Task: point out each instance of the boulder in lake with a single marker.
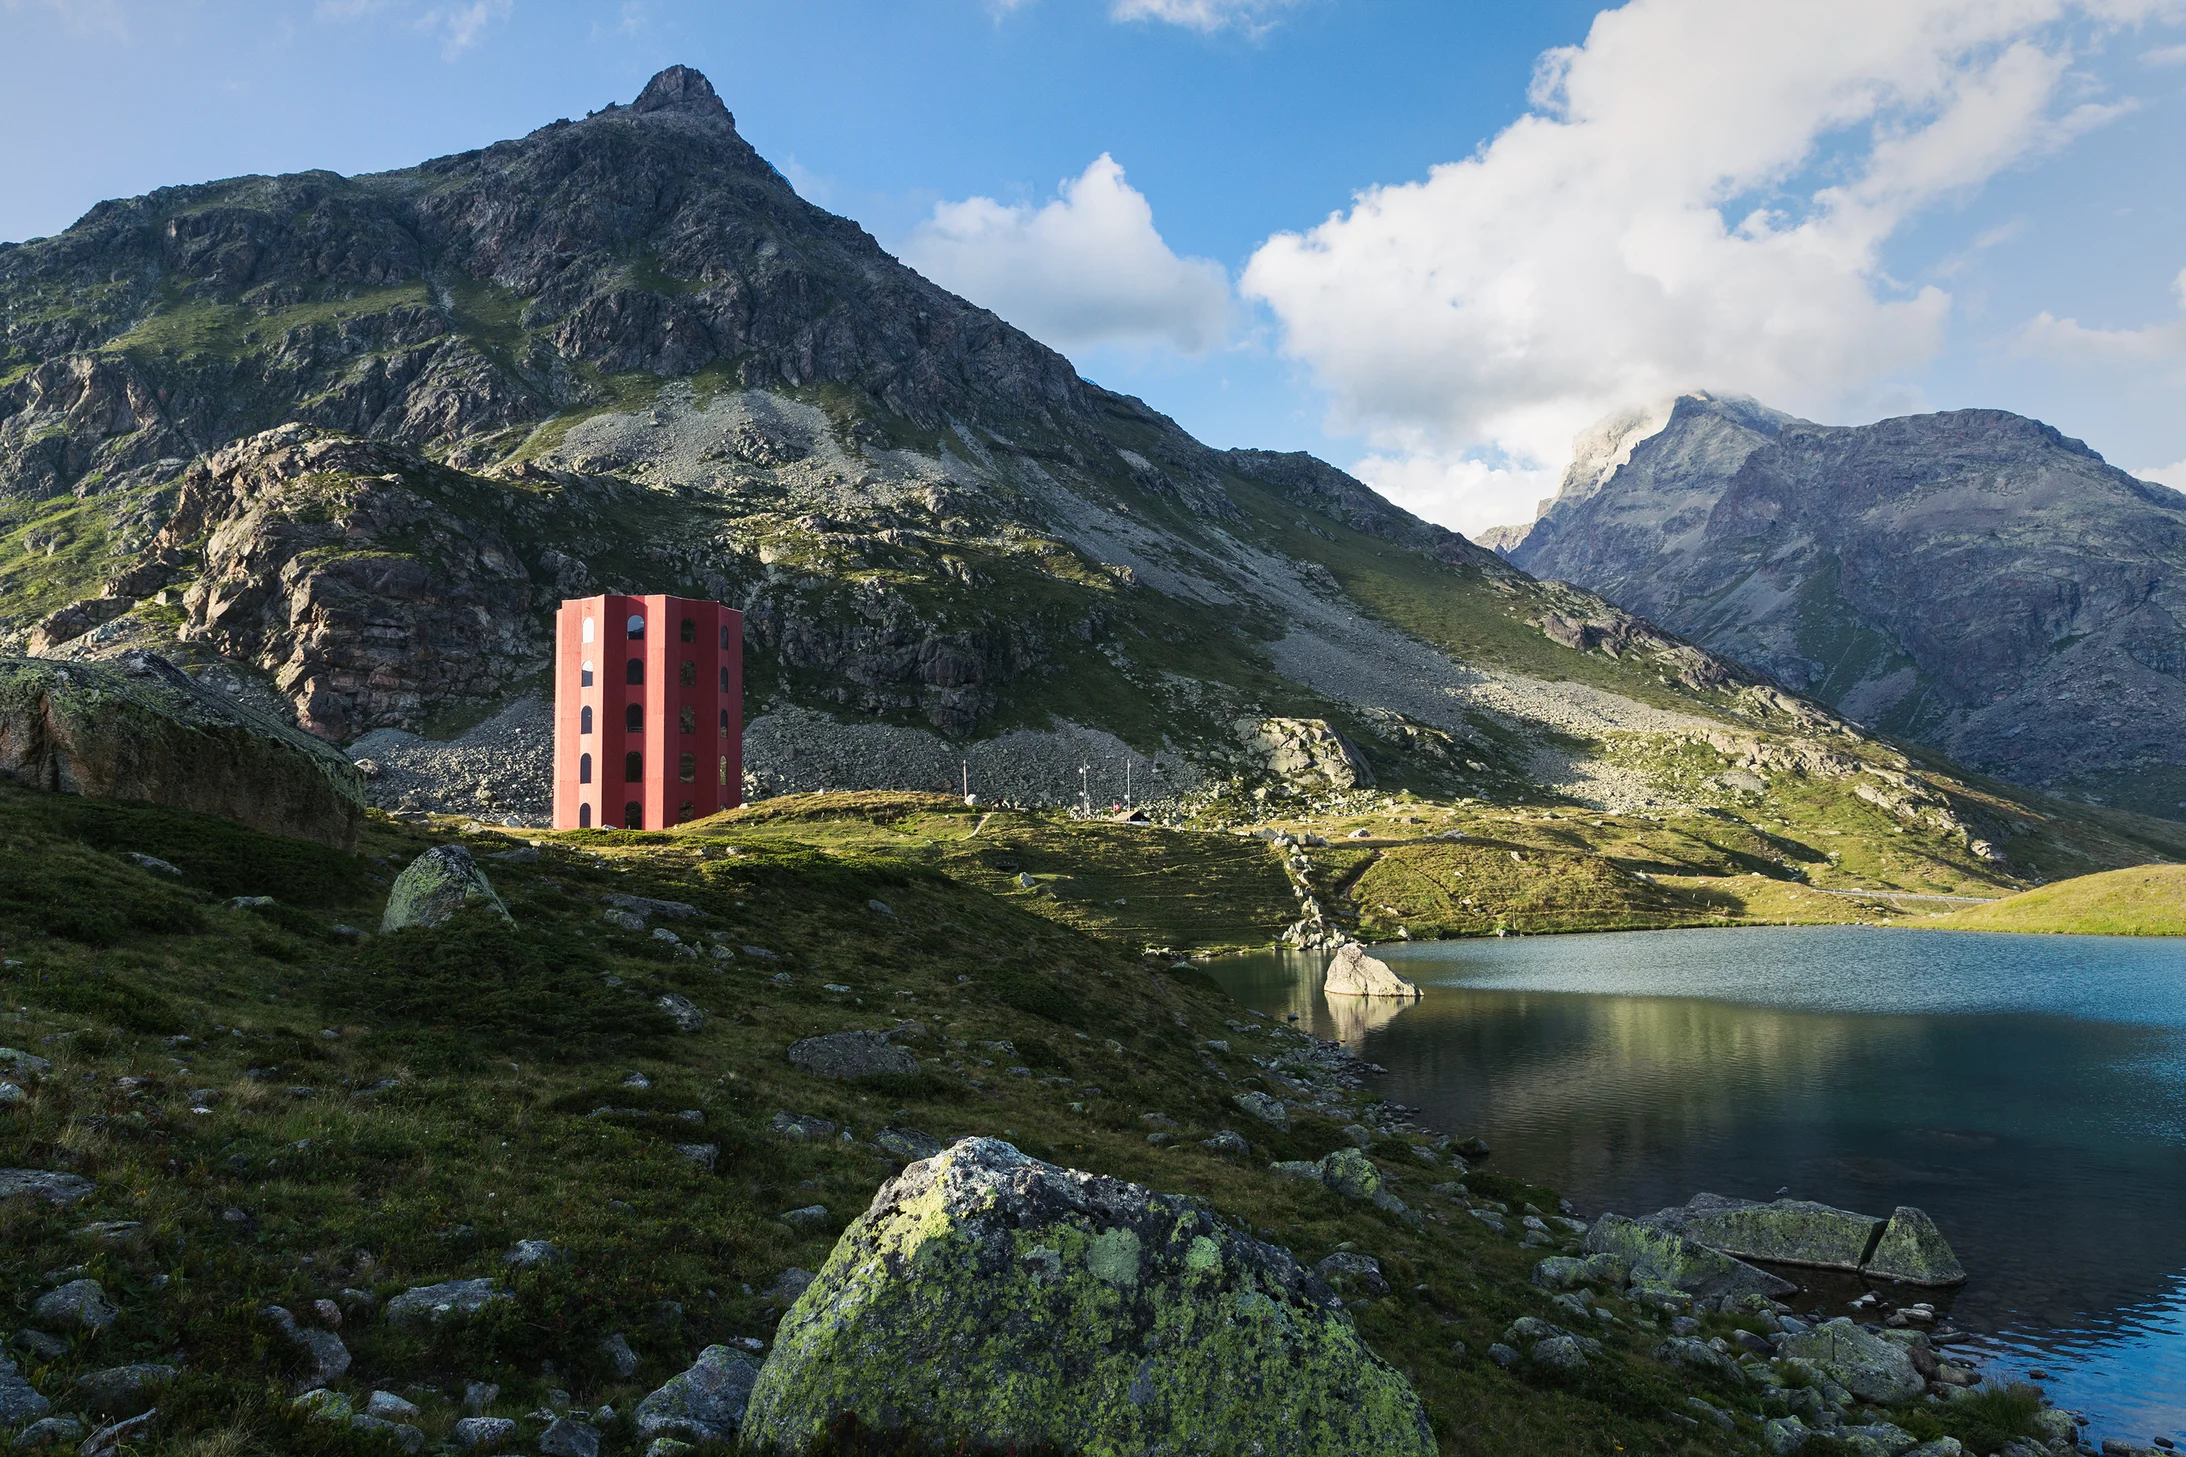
(1785, 1232)
(1912, 1251)
(137, 727)
(1353, 973)
(435, 887)
(849, 1056)
(1860, 1361)
(993, 1299)
(1665, 1257)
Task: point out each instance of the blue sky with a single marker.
(1850, 210)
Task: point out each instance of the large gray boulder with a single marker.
(1860, 1361)
(19, 1400)
(705, 1403)
(1353, 973)
(450, 1299)
(1664, 1257)
(1786, 1232)
(848, 1056)
(1912, 1251)
(991, 1298)
(137, 727)
(438, 885)
(123, 1391)
(54, 1188)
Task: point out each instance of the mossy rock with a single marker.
(1912, 1251)
(435, 887)
(138, 728)
(1787, 1231)
(1665, 1257)
(992, 1299)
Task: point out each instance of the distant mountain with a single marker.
(340, 445)
(1971, 580)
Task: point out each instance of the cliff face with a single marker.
(1971, 580)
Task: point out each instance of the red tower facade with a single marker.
(648, 712)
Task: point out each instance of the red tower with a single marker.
(648, 712)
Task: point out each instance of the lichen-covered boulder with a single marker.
(432, 1304)
(1863, 1363)
(991, 1298)
(19, 1400)
(1788, 1231)
(1664, 1257)
(137, 727)
(1353, 973)
(1913, 1252)
(48, 1184)
(437, 885)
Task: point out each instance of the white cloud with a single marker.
(1204, 15)
(460, 26)
(1698, 198)
(2172, 475)
(1084, 269)
(2164, 56)
(2058, 338)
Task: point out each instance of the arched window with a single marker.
(584, 719)
(584, 679)
(635, 673)
(724, 680)
(588, 629)
(633, 816)
(634, 628)
(724, 635)
(687, 768)
(633, 718)
(690, 630)
(584, 768)
(724, 771)
(724, 726)
(689, 718)
(584, 816)
(633, 768)
(688, 675)
(684, 811)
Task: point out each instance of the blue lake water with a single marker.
(2029, 1092)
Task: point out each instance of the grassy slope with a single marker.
(454, 1111)
(2143, 900)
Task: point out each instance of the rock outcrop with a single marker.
(1906, 1247)
(1865, 1364)
(991, 1298)
(139, 728)
(1353, 973)
(1664, 1257)
(1973, 580)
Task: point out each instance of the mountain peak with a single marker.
(684, 89)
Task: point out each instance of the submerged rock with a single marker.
(1863, 1363)
(435, 886)
(991, 1298)
(1665, 1257)
(1914, 1252)
(1353, 973)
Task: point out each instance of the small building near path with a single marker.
(648, 711)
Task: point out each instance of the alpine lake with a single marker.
(2029, 1092)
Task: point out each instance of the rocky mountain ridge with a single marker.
(1972, 580)
(339, 444)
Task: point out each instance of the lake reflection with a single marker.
(2028, 1092)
